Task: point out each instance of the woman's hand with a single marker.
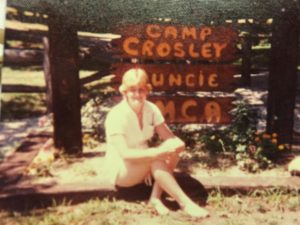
(180, 145)
(175, 144)
(171, 146)
(148, 179)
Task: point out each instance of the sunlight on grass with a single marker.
(257, 201)
(257, 207)
(30, 77)
(96, 211)
(24, 77)
(22, 105)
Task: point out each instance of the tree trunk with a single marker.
(64, 69)
(283, 76)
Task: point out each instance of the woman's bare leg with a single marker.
(132, 173)
(157, 190)
(167, 182)
(155, 200)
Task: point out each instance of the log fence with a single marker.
(28, 48)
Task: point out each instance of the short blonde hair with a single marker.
(135, 77)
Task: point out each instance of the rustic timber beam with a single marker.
(246, 60)
(13, 88)
(25, 57)
(15, 57)
(47, 75)
(94, 77)
(36, 36)
(25, 35)
(283, 75)
(16, 88)
(64, 70)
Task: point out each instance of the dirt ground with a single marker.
(88, 167)
(274, 207)
(271, 208)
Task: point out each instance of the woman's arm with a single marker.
(119, 143)
(165, 133)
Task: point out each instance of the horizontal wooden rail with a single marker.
(13, 88)
(94, 77)
(29, 57)
(19, 88)
(36, 36)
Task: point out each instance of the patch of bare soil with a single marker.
(88, 167)
(52, 167)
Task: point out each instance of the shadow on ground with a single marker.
(193, 188)
(33, 198)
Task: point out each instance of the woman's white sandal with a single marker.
(160, 208)
(195, 211)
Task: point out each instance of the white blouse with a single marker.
(122, 120)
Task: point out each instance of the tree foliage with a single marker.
(105, 15)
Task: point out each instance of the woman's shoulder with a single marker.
(116, 111)
(150, 106)
(155, 113)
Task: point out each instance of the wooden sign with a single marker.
(205, 110)
(169, 42)
(184, 77)
(192, 109)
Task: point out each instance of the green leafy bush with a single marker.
(236, 136)
(253, 150)
(94, 114)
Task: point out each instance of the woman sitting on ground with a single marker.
(129, 125)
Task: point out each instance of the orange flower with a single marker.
(281, 147)
(257, 133)
(274, 135)
(86, 136)
(257, 139)
(274, 141)
(266, 136)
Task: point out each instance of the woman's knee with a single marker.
(158, 167)
(132, 174)
(173, 161)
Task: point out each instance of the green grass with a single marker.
(106, 212)
(257, 201)
(23, 77)
(29, 76)
(24, 105)
(268, 206)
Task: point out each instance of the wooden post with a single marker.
(63, 53)
(47, 75)
(246, 60)
(283, 76)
